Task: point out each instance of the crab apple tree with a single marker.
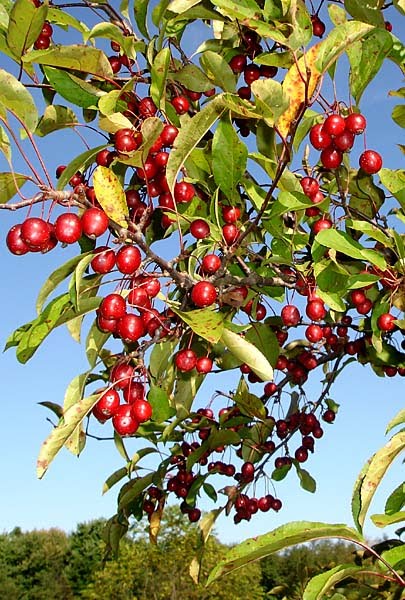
(225, 214)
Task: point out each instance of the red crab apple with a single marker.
(94, 222)
(185, 360)
(203, 294)
(68, 228)
(290, 315)
(370, 161)
(124, 422)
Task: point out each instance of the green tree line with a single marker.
(52, 564)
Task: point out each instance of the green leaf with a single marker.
(247, 353)
(184, 394)
(366, 58)
(76, 58)
(72, 88)
(398, 115)
(204, 322)
(134, 488)
(395, 556)
(317, 587)
(60, 434)
(371, 476)
(78, 164)
(399, 419)
(290, 534)
(159, 400)
(16, 98)
(95, 341)
(394, 181)
(270, 99)
(248, 403)
(218, 71)
(160, 357)
(383, 520)
(307, 482)
(190, 135)
(159, 71)
(192, 78)
(369, 12)
(180, 6)
(110, 194)
(25, 25)
(74, 393)
(342, 242)
(5, 144)
(55, 278)
(365, 196)
(112, 32)
(141, 14)
(264, 339)
(54, 118)
(65, 20)
(114, 478)
(396, 500)
(337, 42)
(10, 183)
(229, 157)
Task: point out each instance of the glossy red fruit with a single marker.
(315, 310)
(185, 360)
(329, 416)
(344, 141)
(124, 422)
(319, 139)
(35, 232)
(42, 42)
(247, 471)
(364, 307)
(161, 159)
(108, 403)
(113, 306)
(169, 134)
(141, 410)
(181, 105)
(245, 92)
(355, 123)
(194, 515)
(314, 333)
(290, 315)
(301, 454)
(47, 29)
(230, 214)
(357, 297)
(14, 241)
(130, 328)
(268, 71)
(334, 125)
(127, 140)
(94, 222)
(318, 26)
(204, 364)
(115, 64)
(68, 228)
(251, 73)
(148, 171)
(128, 259)
(203, 294)
(134, 391)
(331, 158)
(231, 233)
(370, 161)
(321, 224)
(210, 263)
(106, 325)
(238, 63)
(104, 260)
(147, 108)
(200, 229)
(385, 322)
(310, 186)
(138, 297)
(105, 157)
(150, 284)
(183, 192)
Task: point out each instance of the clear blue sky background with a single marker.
(71, 490)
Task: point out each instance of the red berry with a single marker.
(135, 390)
(124, 422)
(231, 233)
(200, 229)
(310, 186)
(318, 26)
(14, 241)
(181, 105)
(301, 454)
(385, 322)
(68, 228)
(290, 315)
(370, 161)
(185, 360)
(319, 138)
(316, 310)
(128, 259)
(314, 333)
(344, 141)
(130, 328)
(42, 42)
(210, 263)
(204, 364)
(203, 294)
(147, 108)
(127, 140)
(141, 410)
(334, 125)
(112, 306)
(104, 260)
(238, 63)
(169, 134)
(35, 232)
(251, 73)
(230, 214)
(355, 123)
(331, 158)
(321, 224)
(183, 192)
(94, 222)
(108, 403)
(329, 416)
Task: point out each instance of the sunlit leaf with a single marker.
(110, 194)
(247, 353)
(218, 71)
(77, 58)
(383, 520)
(229, 157)
(10, 183)
(25, 25)
(114, 478)
(54, 118)
(317, 587)
(16, 98)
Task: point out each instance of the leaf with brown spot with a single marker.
(110, 195)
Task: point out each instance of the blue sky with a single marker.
(71, 490)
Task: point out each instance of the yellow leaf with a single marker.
(111, 195)
(299, 85)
